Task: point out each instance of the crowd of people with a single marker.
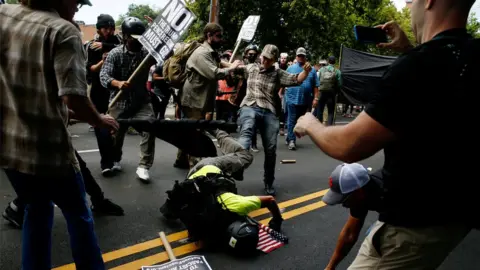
(43, 78)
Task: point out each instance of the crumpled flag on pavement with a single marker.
(269, 240)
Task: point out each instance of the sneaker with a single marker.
(269, 190)
(116, 167)
(143, 174)
(255, 149)
(282, 132)
(107, 172)
(106, 207)
(14, 217)
(91, 129)
(292, 146)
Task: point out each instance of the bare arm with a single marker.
(347, 239)
(360, 139)
(270, 203)
(97, 67)
(81, 108)
(157, 77)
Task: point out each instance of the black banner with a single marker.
(361, 72)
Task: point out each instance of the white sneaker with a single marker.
(143, 174)
(116, 166)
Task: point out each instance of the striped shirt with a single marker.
(42, 59)
(263, 85)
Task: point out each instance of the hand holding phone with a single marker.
(370, 34)
(400, 42)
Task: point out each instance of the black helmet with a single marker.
(133, 26)
(243, 236)
(252, 47)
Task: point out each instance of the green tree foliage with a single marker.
(321, 26)
(473, 26)
(138, 11)
(11, 1)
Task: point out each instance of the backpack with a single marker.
(174, 68)
(194, 202)
(328, 80)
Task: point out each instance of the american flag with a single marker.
(269, 240)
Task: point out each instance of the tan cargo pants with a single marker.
(389, 247)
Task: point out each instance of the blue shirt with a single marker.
(303, 94)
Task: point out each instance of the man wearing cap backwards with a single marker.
(299, 98)
(261, 106)
(430, 195)
(135, 101)
(353, 187)
(104, 41)
(36, 153)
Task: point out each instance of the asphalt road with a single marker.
(132, 241)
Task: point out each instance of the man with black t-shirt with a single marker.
(430, 192)
(162, 89)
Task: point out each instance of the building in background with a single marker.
(409, 3)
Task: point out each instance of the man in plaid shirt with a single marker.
(135, 102)
(261, 106)
(37, 154)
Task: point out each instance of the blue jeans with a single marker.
(294, 112)
(269, 126)
(68, 193)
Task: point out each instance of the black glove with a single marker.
(275, 223)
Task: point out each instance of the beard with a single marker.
(252, 59)
(216, 45)
(135, 46)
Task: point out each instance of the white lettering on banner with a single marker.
(166, 30)
(177, 15)
(152, 38)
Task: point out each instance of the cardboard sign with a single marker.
(188, 263)
(165, 31)
(249, 28)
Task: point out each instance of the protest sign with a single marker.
(161, 36)
(194, 262)
(247, 32)
(249, 28)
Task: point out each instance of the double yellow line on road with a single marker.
(190, 247)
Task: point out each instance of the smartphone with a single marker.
(370, 34)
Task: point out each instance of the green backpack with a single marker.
(174, 68)
(328, 80)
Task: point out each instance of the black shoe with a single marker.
(14, 217)
(238, 175)
(106, 207)
(269, 190)
(181, 165)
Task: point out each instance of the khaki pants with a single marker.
(194, 114)
(147, 144)
(390, 247)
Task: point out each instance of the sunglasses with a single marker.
(252, 54)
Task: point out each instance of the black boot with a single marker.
(14, 217)
(269, 189)
(105, 207)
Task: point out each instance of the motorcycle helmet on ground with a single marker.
(133, 27)
(243, 237)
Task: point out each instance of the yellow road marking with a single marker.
(189, 248)
(157, 242)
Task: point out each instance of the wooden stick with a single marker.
(167, 246)
(235, 50)
(119, 94)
